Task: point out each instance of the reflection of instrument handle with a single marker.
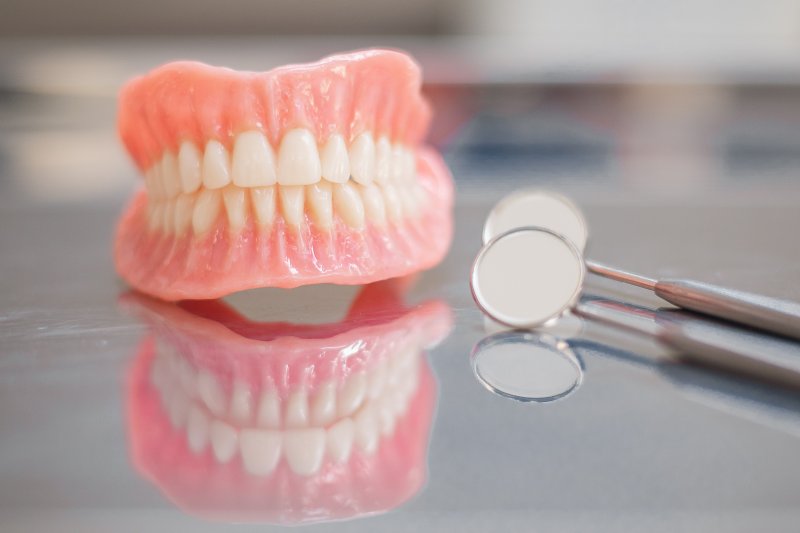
(754, 310)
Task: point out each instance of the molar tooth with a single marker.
(340, 440)
(269, 410)
(260, 449)
(304, 449)
(178, 408)
(374, 206)
(292, 204)
(320, 203)
(366, 429)
(189, 167)
(323, 408)
(335, 161)
(362, 159)
(216, 166)
(183, 213)
(352, 394)
(407, 199)
(253, 161)
(394, 206)
(383, 160)
(206, 210)
(241, 407)
(398, 163)
(197, 429)
(167, 223)
(170, 175)
(377, 379)
(298, 160)
(224, 440)
(408, 165)
(263, 200)
(210, 392)
(348, 204)
(155, 214)
(297, 409)
(234, 199)
(153, 183)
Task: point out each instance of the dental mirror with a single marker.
(527, 367)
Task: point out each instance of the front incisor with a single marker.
(298, 160)
(253, 162)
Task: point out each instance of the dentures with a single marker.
(237, 420)
(304, 174)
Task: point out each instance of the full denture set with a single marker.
(304, 174)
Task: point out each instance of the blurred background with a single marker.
(611, 98)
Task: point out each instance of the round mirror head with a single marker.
(535, 207)
(526, 366)
(527, 277)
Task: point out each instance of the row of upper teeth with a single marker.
(299, 161)
(365, 408)
(353, 203)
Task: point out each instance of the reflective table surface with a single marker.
(124, 413)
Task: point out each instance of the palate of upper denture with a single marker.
(303, 174)
(284, 423)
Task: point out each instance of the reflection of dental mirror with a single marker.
(528, 367)
(552, 211)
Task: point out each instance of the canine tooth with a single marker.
(298, 160)
(170, 175)
(374, 207)
(352, 394)
(189, 167)
(253, 161)
(297, 409)
(366, 429)
(234, 199)
(362, 159)
(348, 204)
(206, 210)
(394, 206)
(323, 408)
(197, 429)
(263, 200)
(304, 449)
(292, 204)
(383, 160)
(335, 161)
(320, 203)
(269, 410)
(216, 166)
(340, 440)
(241, 407)
(183, 213)
(210, 392)
(260, 449)
(224, 441)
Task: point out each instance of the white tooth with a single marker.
(374, 207)
(386, 418)
(394, 206)
(383, 160)
(241, 402)
(319, 200)
(292, 204)
(197, 429)
(253, 161)
(408, 169)
(297, 409)
(153, 182)
(170, 175)
(184, 205)
(323, 408)
(269, 410)
(189, 167)
(362, 159)
(348, 204)
(352, 394)
(340, 440)
(206, 210)
(334, 159)
(155, 214)
(298, 160)
(210, 392)
(224, 441)
(178, 408)
(398, 163)
(366, 429)
(406, 193)
(234, 199)
(186, 376)
(216, 166)
(263, 200)
(260, 449)
(167, 223)
(304, 449)
(377, 379)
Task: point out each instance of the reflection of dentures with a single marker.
(279, 422)
(303, 174)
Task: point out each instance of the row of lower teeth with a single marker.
(354, 204)
(299, 161)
